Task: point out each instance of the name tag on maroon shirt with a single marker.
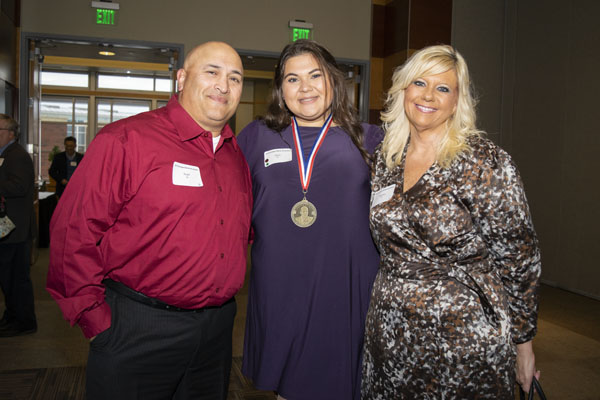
(186, 175)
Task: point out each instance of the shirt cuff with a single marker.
(96, 320)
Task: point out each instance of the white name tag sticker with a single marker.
(73, 163)
(277, 156)
(186, 175)
(383, 195)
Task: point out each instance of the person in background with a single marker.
(149, 241)
(16, 191)
(455, 297)
(64, 164)
(313, 259)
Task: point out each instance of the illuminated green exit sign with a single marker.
(300, 29)
(105, 12)
(105, 16)
(300, 33)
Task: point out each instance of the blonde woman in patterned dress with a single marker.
(454, 305)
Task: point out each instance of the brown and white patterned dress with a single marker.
(457, 285)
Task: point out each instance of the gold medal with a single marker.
(304, 213)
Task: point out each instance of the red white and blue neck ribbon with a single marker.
(305, 167)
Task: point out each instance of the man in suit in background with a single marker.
(16, 187)
(64, 164)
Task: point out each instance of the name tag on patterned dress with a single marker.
(383, 195)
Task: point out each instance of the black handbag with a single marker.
(534, 385)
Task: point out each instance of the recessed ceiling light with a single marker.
(106, 53)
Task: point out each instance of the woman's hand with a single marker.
(526, 366)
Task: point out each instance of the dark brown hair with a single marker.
(344, 114)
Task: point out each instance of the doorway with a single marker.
(72, 86)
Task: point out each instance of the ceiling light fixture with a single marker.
(106, 49)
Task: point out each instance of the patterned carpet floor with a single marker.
(68, 383)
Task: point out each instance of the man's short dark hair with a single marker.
(70, 139)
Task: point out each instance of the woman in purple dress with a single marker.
(313, 259)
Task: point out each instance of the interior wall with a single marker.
(484, 55)
(261, 25)
(536, 65)
(8, 54)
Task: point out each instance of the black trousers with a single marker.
(149, 353)
(15, 259)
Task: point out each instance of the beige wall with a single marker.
(344, 26)
(536, 66)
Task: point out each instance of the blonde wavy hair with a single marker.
(428, 61)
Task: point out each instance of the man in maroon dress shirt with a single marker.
(148, 243)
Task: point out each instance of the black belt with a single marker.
(123, 290)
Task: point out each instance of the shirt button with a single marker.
(217, 290)
(220, 189)
(222, 255)
(221, 222)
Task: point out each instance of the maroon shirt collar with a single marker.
(187, 128)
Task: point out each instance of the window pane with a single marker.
(125, 82)
(124, 109)
(163, 85)
(81, 111)
(110, 110)
(65, 79)
(103, 113)
(57, 110)
(57, 123)
(81, 137)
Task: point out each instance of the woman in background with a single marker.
(313, 259)
(456, 294)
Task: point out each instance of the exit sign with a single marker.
(300, 29)
(105, 16)
(301, 33)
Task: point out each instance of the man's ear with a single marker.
(181, 75)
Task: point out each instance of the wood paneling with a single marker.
(399, 27)
(376, 97)
(397, 19)
(378, 31)
(430, 23)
